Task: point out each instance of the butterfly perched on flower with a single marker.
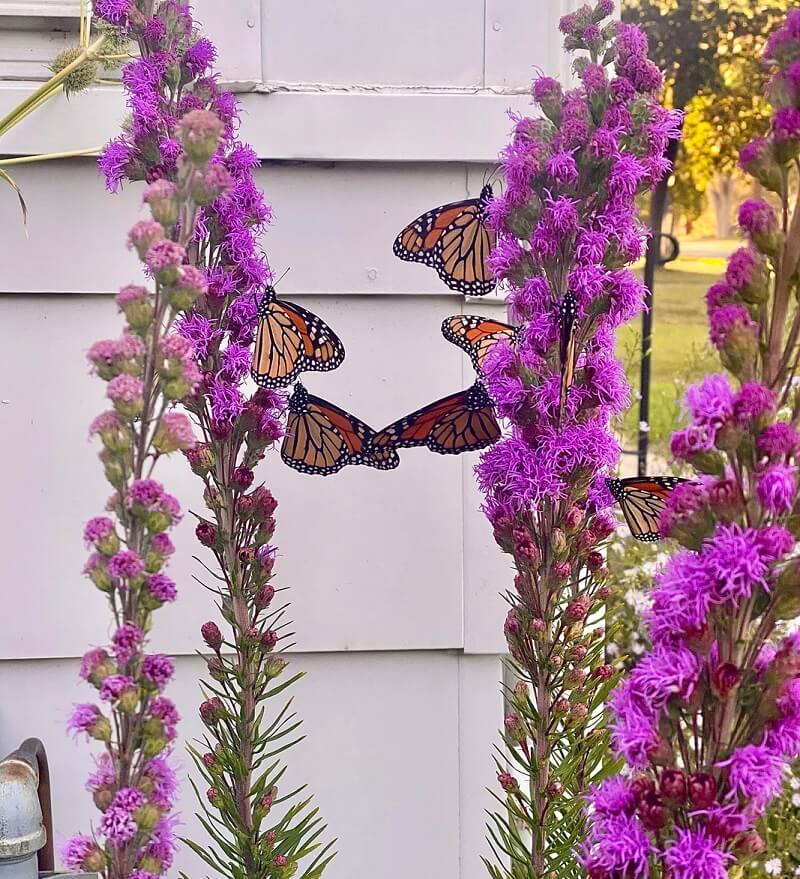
(291, 340)
(453, 239)
(567, 345)
(476, 335)
(461, 422)
(321, 438)
(642, 500)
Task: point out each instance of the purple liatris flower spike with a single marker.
(711, 733)
(562, 248)
(193, 328)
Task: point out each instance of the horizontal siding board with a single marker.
(297, 126)
(361, 42)
(333, 227)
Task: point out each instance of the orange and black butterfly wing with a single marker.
(453, 240)
(476, 335)
(291, 340)
(321, 438)
(642, 500)
(466, 427)
(460, 422)
(567, 354)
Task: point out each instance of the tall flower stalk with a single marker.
(146, 371)
(708, 721)
(566, 228)
(255, 826)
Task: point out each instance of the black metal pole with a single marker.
(651, 261)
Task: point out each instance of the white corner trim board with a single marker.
(299, 126)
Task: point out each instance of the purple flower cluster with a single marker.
(551, 204)
(564, 242)
(709, 719)
(183, 143)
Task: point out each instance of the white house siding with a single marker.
(366, 113)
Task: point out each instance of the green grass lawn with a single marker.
(680, 352)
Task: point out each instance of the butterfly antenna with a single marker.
(285, 273)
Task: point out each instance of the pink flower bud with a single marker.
(702, 790)
(143, 235)
(673, 785)
(264, 596)
(508, 782)
(200, 132)
(211, 711)
(242, 478)
(578, 609)
(206, 533)
(725, 679)
(211, 635)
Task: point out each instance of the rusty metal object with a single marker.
(26, 825)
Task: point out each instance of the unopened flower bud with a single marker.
(577, 652)
(94, 861)
(242, 478)
(652, 812)
(211, 711)
(515, 729)
(137, 306)
(578, 609)
(603, 672)
(562, 570)
(264, 596)
(274, 666)
(206, 533)
(200, 132)
(751, 843)
(561, 706)
(147, 816)
(661, 753)
(578, 714)
(143, 235)
(558, 542)
(200, 458)
(211, 635)
(702, 789)
(555, 788)
(575, 678)
(508, 782)
(574, 519)
(268, 640)
(673, 785)
(725, 679)
(162, 197)
(595, 560)
(216, 668)
(214, 797)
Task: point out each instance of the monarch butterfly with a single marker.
(476, 335)
(291, 340)
(454, 241)
(642, 500)
(458, 423)
(322, 438)
(568, 311)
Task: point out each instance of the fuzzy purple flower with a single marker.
(117, 826)
(777, 488)
(756, 774)
(158, 670)
(696, 855)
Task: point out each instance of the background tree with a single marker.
(709, 54)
